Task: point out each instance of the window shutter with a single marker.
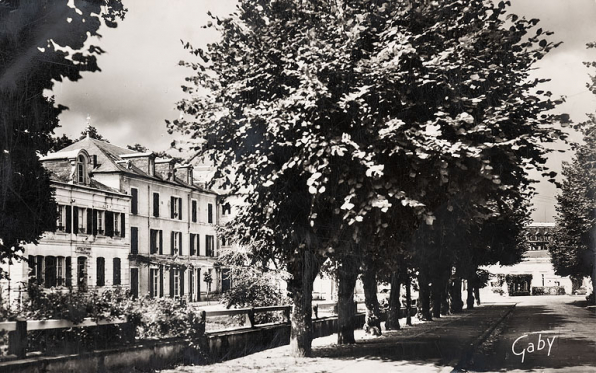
(198, 245)
(95, 222)
(151, 272)
(182, 282)
(68, 272)
(152, 241)
(116, 272)
(180, 244)
(109, 224)
(89, 221)
(209, 213)
(192, 244)
(161, 281)
(179, 208)
(172, 243)
(122, 225)
(172, 282)
(194, 211)
(134, 209)
(172, 205)
(156, 205)
(101, 265)
(68, 219)
(160, 242)
(134, 240)
(75, 219)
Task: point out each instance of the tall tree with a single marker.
(329, 112)
(35, 37)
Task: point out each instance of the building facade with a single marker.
(89, 249)
(172, 222)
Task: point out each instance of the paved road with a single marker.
(553, 333)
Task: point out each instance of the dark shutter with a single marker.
(210, 213)
(151, 273)
(134, 209)
(179, 208)
(192, 244)
(89, 221)
(172, 243)
(198, 284)
(68, 219)
(116, 272)
(109, 224)
(122, 225)
(75, 219)
(95, 222)
(182, 282)
(68, 271)
(180, 244)
(194, 211)
(134, 240)
(134, 282)
(172, 204)
(152, 241)
(160, 242)
(198, 248)
(161, 281)
(172, 282)
(156, 205)
(101, 275)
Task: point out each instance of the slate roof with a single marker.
(109, 160)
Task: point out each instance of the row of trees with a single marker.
(373, 138)
(573, 252)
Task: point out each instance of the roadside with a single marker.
(435, 346)
(544, 333)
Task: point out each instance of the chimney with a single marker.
(184, 172)
(143, 161)
(164, 168)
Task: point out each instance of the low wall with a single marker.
(151, 355)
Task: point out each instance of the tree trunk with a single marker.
(436, 295)
(303, 273)
(372, 320)
(477, 295)
(392, 322)
(470, 300)
(424, 297)
(347, 274)
(457, 304)
(408, 300)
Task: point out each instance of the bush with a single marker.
(498, 291)
(548, 290)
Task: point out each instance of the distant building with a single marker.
(536, 269)
(90, 246)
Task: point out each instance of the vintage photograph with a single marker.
(308, 186)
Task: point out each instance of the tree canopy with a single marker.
(35, 42)
(355, 118)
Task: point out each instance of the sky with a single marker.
(139, 85)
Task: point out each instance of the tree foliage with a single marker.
(35, 42)
(351, 119)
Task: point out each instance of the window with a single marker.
(209, 246)
(81, 220)
(210, 213)
(194, 247)
(134, 240)
(116, 224)
(100, 221)
(117, 280)
(176, 282)
(134, 202)
(176, 208)
(60, 219)
(50, 274)
(60, 271)
(154, 282)
(156, 205)
(81, 169)
(155, 241)
(176, 243)
(194, 211)
(101, 271)
(223, 241)
(82, 273)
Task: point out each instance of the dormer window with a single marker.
(81, 169)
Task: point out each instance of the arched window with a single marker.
(81, 169)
